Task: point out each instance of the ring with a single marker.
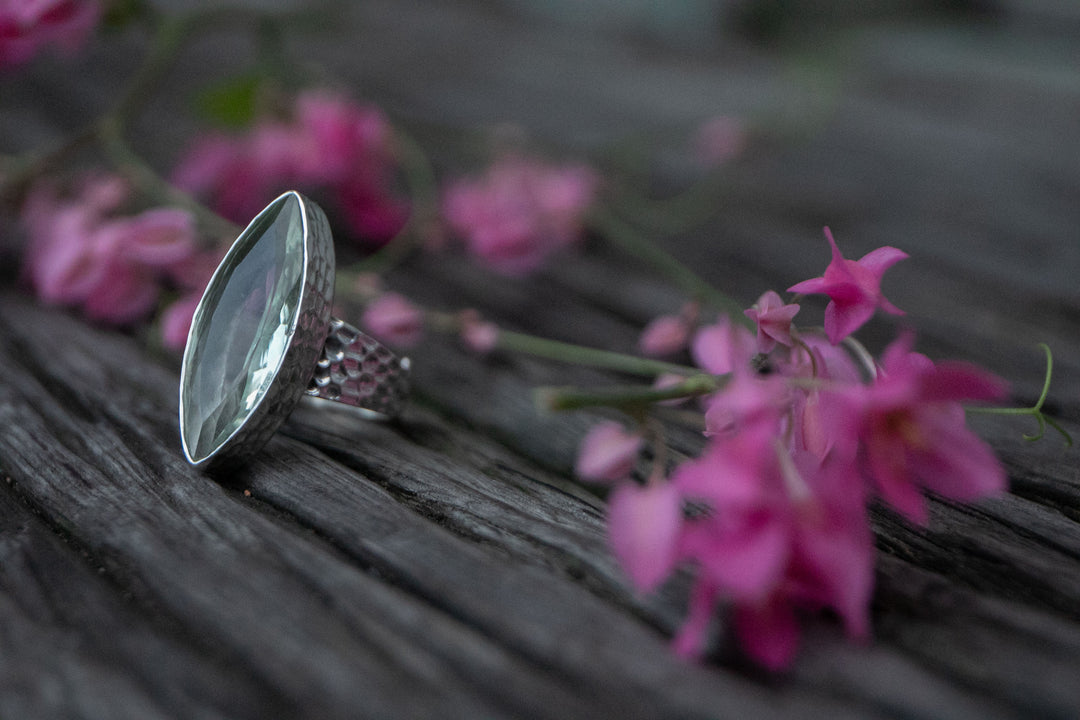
(262, 337)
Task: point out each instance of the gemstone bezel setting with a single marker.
(292, 356)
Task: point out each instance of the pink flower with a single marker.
(27, 25)
(112, 267)
(723, 347)
(161, 237)
(742, 543)
(608, 453)
(127, 293)
(369, 211)
(193, 273)
(519, 212)
(329, 146)
(747, 399)
(394, 320)
(66, 259)
(778, 531)
(854, 288)
(176, 321)
(664, 335)
(479, 335)
(643, 525)
(773, 319)
(913, 434)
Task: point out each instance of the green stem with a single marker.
(1035, 410)
(628, 398)
(23, 170)
(423, 192)
(592, 357)
(129, 163)
(691, 208)
(634, 243)
(169, 37)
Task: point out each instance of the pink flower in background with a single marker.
(773, 319)
(111, 266)
(176, 321)
(193, 273)
(854, 287)
(514, 216)
(332, 147)
(723, 347)
(127, 293)
(66, 258)
(911, 426)
(479, 335)
(28, 25)
(608, 453)
(664, 335)
(161, 237)
(394, 320)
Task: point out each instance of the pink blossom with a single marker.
(723, 347)
(194, 272)
(768, 631)
(369, 211)
(773, 320)
(779, 531)
(160, 237)
(664, 335)
(854, 288)
(519, 212)
(608, 453)
(340, 137)
(176, 321)
(126, 293)
(340, 151)
(66, 259)
(394, 320)
(27, 25)
(747, 399)
(913, 434)
(112, 267)
(644, 524)
(719, 140)
(478, 334)
(742, 543)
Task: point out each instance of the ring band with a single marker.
(262, 337)
(358, 370)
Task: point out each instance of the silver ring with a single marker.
(262, 338)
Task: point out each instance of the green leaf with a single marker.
(230, 103)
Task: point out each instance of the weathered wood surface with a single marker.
(447, 565)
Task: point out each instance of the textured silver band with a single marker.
(358, 370)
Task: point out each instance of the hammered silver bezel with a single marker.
(307, 336)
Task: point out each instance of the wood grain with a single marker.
(448, 565)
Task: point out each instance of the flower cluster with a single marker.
(83, 253)
(28, 25)
(520, 211)
(328, 146)
(802, 436)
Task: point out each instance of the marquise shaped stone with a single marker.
(242, 328)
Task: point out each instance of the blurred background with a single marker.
(949, 128)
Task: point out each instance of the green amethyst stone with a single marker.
(244, 327)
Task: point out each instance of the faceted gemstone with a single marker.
(243, 328)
